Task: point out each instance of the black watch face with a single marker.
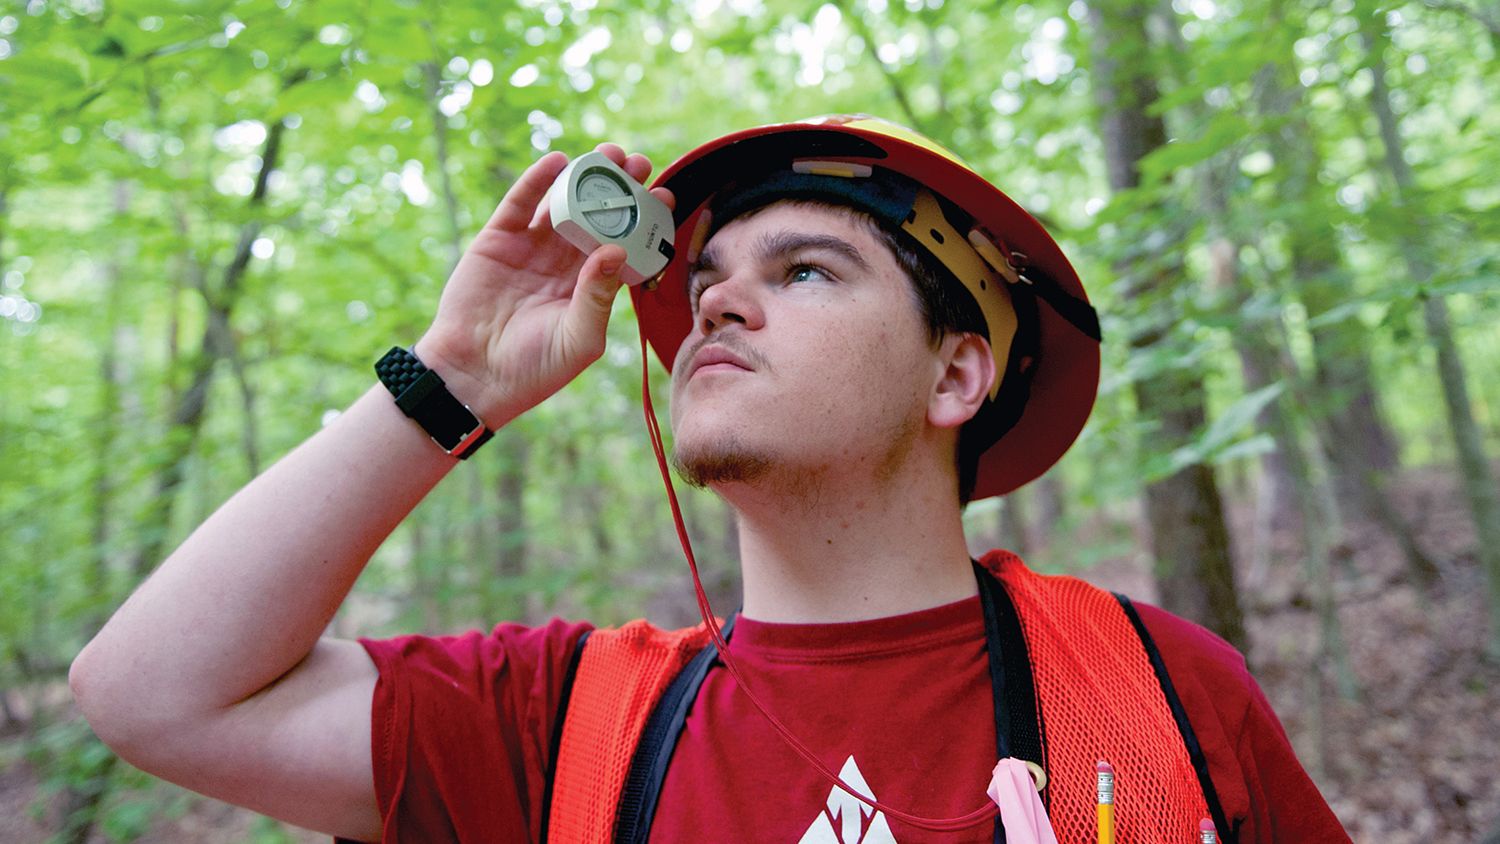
(606, 203)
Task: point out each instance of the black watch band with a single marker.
(422, 395)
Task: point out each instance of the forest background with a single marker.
(215, 215)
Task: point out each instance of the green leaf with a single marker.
(1238, 416)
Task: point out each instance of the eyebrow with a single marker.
(785, 242)
(777, 244)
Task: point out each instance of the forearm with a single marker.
(247, 595)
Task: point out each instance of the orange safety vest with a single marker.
(1101, 692)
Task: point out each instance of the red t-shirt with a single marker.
(899, 706)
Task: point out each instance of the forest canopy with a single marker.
(214, 216)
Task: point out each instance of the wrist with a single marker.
(469, 384)
(424, 396)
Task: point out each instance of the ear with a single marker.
(968, 371)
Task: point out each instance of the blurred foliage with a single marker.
(132, 135)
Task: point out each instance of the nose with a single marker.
(736, 299)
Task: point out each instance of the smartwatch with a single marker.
(422, 395)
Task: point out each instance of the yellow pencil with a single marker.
(1106, 775)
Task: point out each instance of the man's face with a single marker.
(808, 353)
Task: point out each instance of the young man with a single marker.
(863, 334)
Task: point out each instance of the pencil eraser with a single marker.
(1104, 767)
(1206, 825)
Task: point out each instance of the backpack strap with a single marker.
(621, 674)
(1227, 834)
(1018, 725)
(1018, 721)
(648, 768)
(557, 729)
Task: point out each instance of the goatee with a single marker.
(719, 463)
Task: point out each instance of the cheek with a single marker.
(879, 371)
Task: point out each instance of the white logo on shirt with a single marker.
(846, 820)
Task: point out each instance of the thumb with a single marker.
(588, 312)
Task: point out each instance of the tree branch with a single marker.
(862, 29)
(187, 415)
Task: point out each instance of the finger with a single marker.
(543, 216)
(638, 166)
(666, 197)
(588, 311)
(525, 196)
(613, 151)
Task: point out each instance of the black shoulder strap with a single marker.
(648, 767)
(1227, 834)
(1018, 722)
(557, 729)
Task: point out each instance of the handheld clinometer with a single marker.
(594, 202)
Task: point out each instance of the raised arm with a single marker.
(212, 675)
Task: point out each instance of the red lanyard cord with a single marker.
(984, 813)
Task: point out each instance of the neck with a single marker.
(825, 552)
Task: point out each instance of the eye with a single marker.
(806, 272)
(696, 286)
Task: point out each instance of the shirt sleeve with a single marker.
(1251, 761)
(461, 731)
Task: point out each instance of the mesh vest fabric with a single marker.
(621, 675)
(1099, 699)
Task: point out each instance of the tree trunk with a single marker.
(1295, 481)
(8, 715)
(1261, 363)
(186, 416)
(1287, 472)
(1013, 523)
(424, 588)
(1479, 487)
(511, 559)
(250, 434)
(1342, 397)
(110, 377)
(1194, 566)
(433, 76)
(729, 551)
(1360, 436)
(192, 269)
(1341, 365)
(1051, 505)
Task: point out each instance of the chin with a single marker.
(722, 461)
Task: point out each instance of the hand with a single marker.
(524, 311)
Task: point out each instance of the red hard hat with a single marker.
(1064, 365)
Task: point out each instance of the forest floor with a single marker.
(1411, 759)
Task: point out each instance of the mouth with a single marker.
(716, 358)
